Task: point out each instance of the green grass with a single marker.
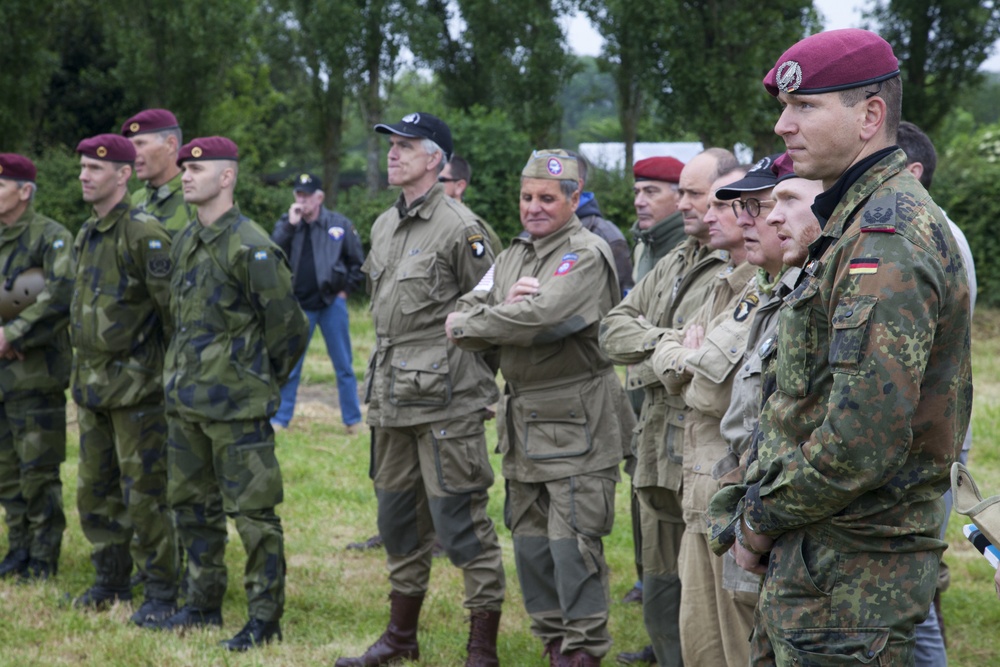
(336, 599)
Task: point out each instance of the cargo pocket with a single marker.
(44, 438)
(850, 332)
(420, 376)
(552, 428)
(793, 369)
(824, 647)
(592, 509)
(460, 456)
(251, 477)
(419, 283)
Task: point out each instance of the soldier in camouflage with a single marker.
(34, 371)
(157, 137)
(119, 329)
(873, 379)
(238, 332)
(564, 421)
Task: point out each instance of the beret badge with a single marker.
(196, 152)
(101, 151)
(789, 76)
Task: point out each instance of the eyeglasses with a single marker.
(751, 206)
(442, 179)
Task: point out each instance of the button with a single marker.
(572, 414)
(402, 364)
(680, 418)
(732, 350)
(697, 467)
(848, 313)
(435, 365)
(444, 432)
(534, 415)
(747, 367)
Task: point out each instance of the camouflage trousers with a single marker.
(122, 497)
(662, 525)
(557, 528)
(431, 481)
(219, 469)
(821, 607)
(32, 447)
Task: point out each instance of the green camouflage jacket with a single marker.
(39, 332)
(120, 316)
(873, 377)
(238, 329)
(165, 203)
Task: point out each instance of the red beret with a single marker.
(17, 167)
(831, 61)
(658, 169)
(783, 168)
(112, 147)
(208, 148)
(150, 120)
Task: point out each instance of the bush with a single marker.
(965, 185)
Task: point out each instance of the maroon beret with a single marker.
(783, 168)
(208, 148)
(831, 61)
(112, 147)
(150, 120)
(658, 169)
(17, 167)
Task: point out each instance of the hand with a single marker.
(342, 295)
(295, 214)
(491, 412)
(524, 287)
(748, 561)
(694, 336)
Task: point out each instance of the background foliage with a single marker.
(298, 85)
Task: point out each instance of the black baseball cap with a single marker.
(307, 183)
(424, 126)
(760, 177)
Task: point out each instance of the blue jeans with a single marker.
(333, 323)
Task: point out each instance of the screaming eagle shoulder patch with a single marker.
(477, 245)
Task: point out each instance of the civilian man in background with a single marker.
(325, 254)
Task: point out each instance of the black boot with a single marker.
(189, 617)
(100, 598)
(255, 633)
(14, 563)
(153, 612)
(399, 641)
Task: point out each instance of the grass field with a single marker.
(336, 599)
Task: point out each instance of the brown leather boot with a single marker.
(399, 641)
(482, 646)
(555, 654)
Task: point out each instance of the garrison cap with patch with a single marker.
(208, 148)
(666, 169)
(553, 164)
(149, 120)
(307, 183)
(110, 147)
(424, 126)
(831, 61)
(17, 167)
(760, 177)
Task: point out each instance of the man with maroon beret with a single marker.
(238, 333)
(119, 328)
(157, 137)
(873, 385)
(659, 226)
(34, 370)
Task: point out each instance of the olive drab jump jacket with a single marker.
(564, 412)
(238, 329)
(39, 332)
(421, 261)
(120, 321)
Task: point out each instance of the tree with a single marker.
(634, 39)
(940, 46)
(710, 75)
(27, 62)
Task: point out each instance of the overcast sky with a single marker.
(584, 40)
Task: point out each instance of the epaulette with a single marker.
(880, 215)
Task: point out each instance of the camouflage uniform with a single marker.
(32, 390)
(666, 298)
(119, 329)
(165, 203)
(238, 332)
(714, 622)
(873, 394)
(427, 399)
(563, 423)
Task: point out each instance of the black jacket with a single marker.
(336, 247)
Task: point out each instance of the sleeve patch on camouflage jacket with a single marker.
(880, 215)
(863, 266)
(159, 265)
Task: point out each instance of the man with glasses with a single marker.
(455, 177)
(873, 377)
(663, 300)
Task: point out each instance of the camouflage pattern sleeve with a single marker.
(38, 324)
(284, 326)
(150, 245)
